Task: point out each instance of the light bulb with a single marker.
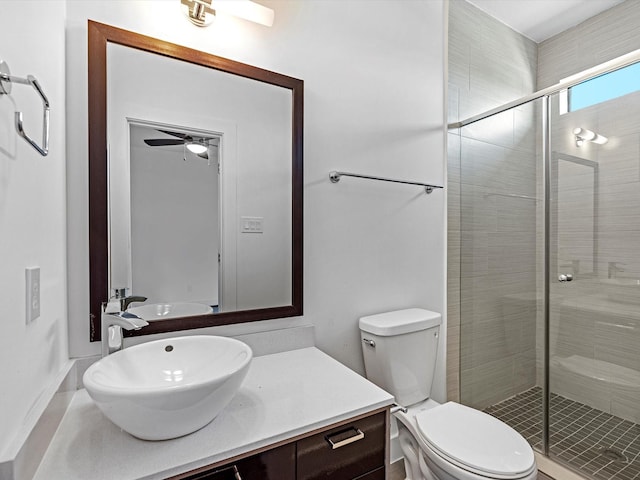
(245, 9)
(600, 139)
(197, 147)
(584, 135)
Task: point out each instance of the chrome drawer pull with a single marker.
(359, 435)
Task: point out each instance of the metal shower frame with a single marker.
(545, 94)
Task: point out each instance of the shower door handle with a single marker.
(565, 277)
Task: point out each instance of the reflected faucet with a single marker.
(125, 301)
(114, 318)
(614, 268)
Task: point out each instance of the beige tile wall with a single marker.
(491, 337)
(599, 39)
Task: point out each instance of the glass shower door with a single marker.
(501, 249)
(594, 286)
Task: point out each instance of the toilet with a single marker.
(439, 441)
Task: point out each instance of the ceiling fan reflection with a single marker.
(197, 145)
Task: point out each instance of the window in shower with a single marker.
(604, 87)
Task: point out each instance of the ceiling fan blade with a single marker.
(162, 142)
(175, 134)
(204, 155)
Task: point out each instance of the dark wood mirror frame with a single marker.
(99, 35)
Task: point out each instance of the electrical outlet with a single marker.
(32, 276)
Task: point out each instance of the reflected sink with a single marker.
(162, 311)
(622, 289)
(168, 388)
(621, 282)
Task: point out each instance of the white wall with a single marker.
(253, 120)
(32, 212)
(174, 227)
(373, 104)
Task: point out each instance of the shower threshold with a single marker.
(594, 443)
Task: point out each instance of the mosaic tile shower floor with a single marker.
(595, 443)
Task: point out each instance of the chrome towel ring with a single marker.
(6, 81)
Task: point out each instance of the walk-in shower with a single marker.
(550, 270)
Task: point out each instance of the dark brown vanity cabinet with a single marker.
(353, 450)
(343, 453)
(277, 463)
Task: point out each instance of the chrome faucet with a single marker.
(114, 318)
(614, 268)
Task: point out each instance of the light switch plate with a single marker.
(252, 224)
(32, 293)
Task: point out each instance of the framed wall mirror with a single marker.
(575, 188)
(195, 184)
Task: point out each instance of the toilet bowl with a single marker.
(439, 441)
(455, 442)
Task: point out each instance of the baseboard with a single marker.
(396, 471)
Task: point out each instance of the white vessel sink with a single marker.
(168, 388)
(161, 311)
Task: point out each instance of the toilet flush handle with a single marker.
(398, 408)
(371, 343)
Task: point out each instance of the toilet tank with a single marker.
(400, 350)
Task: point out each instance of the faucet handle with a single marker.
(126, 301)
(120, 302)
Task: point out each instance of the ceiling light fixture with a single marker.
(583, 135)
(197, 147)
(202, 12)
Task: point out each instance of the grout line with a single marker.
(600, 469)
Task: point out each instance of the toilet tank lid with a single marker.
(400, 321)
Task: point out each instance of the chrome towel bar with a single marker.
(6, 80)
(335, 178)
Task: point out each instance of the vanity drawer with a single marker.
(345, 452)
(378, 474)
(275, 464)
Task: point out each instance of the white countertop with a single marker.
(284, 395)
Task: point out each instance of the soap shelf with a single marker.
(6, 82)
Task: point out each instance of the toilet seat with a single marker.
(475, 441)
